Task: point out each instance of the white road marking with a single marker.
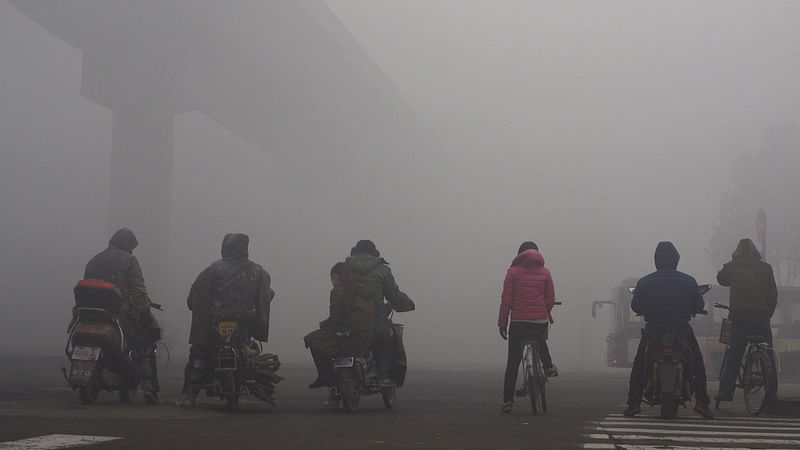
(695, 432)
(670, 424)
(743, 419)
(599, 446)
(55, 441)
(698, 439)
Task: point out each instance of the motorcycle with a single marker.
(239, 367)
(669, 362)
(101, 357)
(356, 377)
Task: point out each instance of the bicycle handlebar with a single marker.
(721, 306)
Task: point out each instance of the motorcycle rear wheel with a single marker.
(669, 406)
(126, 395)
(388, 396)
(88, 393)
(231, 402)
(350, 396)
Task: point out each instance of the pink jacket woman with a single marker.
(528, 292)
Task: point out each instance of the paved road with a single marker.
(436, 409)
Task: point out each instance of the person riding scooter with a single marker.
(116, 264)
(668, 298)
(350, 313)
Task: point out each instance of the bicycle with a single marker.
(754, 368)
(534, 376)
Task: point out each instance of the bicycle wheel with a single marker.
(535, 379)
(721, 371)
(754, 381)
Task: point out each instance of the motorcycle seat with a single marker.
(755, 339)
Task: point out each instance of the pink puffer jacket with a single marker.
(528, 292)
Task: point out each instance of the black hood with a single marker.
(746, 250)
(235, 245)
(365, 247)
(124, 240)
(667, 256)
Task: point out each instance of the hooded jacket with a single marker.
(374, 281)
(754, 295)
(116, 264)
(230, 288)
(528, 291)
(667, 297)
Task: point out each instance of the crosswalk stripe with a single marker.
(695, 432)
(670, 424)
(55, 441)
(699, 439)
(742, 419)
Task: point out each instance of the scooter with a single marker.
(97, 346)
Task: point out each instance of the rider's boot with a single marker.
(145, 363)
(194, 375)
(701, 407)
(632, 409)
(324, 375)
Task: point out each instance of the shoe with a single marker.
(724, 397)
(551, 372)
(387, 382)
(632, 410)
(507, 407)
(318, 383)
(702, 409)
(523, 392)
(150, 397)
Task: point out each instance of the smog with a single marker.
(446, 132)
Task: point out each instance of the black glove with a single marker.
(504, 333)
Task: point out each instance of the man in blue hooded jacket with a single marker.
(668, 298)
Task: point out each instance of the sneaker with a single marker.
(632, 410)
(551, 372)
(318, 383)
(386, 382)
(507, 407)
(702, 409)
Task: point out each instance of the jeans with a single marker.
(518, 332)
(639, 371)
(739, 332)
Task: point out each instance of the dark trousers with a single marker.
(639, 371)
(518, 332)
(739, 332)
(383, 345)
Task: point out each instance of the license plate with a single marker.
(226, 328)
(343, 362)
(86, 353)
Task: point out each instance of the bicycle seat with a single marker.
(528, 342)
(755, 339)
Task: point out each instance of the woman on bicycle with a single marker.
(528, 296)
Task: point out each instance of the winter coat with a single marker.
(528, 291)
(667, 297)
(231, 288)
(754, 295)
(359, 318)
(116, 264)
(374, 281)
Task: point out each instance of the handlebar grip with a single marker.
(702, 313)
(156, 306)
(557, 303)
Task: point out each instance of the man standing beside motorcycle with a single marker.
(668, 298)
(116, 264)
(233, 285)
(753, 300)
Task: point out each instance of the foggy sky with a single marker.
(595, 130)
